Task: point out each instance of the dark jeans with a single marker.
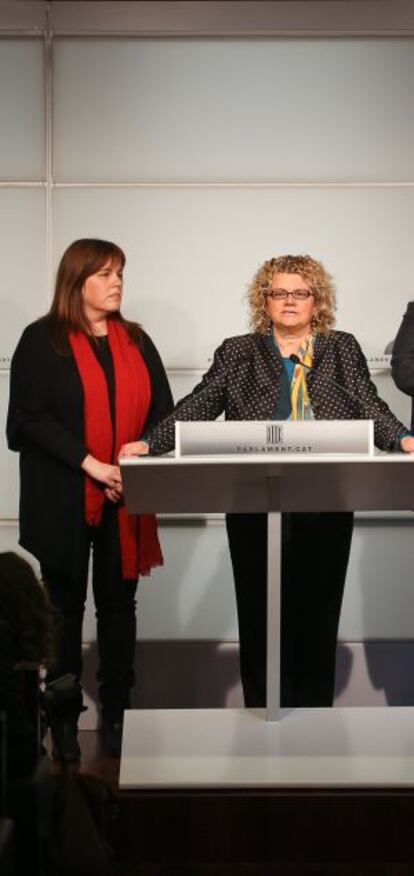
(315, 553)
(115, 614)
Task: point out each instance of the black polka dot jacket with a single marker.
(244, 381)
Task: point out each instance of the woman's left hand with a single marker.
(407, 444)
(112, 494)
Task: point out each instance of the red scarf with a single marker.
(140, 548)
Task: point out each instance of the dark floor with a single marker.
(255, 833)
(94, 762)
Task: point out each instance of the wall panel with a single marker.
(233, 109)
(23, 291)
(192, 252)
(22, 109)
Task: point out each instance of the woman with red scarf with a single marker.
(84, 381)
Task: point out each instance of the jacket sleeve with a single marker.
(30, 422)
(388, 430)
(205, 402)
(402, 361)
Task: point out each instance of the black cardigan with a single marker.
(402, 361)
(244, 381)
(46, 425)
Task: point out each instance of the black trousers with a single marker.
(315, 553)
(115, 614)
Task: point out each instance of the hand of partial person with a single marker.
(113, 495)
(407, 444)
(109, 475)
(135, 448)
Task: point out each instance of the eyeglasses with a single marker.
(283, 294)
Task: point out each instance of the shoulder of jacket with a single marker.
(247, 341)
(37, 331)
(410, 310)
(146, 340)
(36, 345)
(341, 339)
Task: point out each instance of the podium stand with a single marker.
(239, 747)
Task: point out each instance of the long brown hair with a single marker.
(81, 259)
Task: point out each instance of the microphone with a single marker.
(378, 416)
(296, 361)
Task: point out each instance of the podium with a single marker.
(232, 748)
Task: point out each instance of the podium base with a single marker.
(238, 748)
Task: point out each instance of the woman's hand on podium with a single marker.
(135, 448)
(407, 444)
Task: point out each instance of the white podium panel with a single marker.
(236, 748)
(274, 437)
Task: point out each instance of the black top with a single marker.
(46, 425)
(102, 350)
(245, 382)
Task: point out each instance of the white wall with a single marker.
(202, 156)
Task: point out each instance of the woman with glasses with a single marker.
(83, 381)
(293, 365)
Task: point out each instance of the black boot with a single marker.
(111, 730)
(62, 703)
(65, 740)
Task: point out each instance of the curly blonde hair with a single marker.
(312, 272)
